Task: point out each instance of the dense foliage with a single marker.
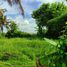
(47, 12)
(58, 58)
(56, 26)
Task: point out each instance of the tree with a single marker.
(47, 12)
(12, 30)
(56, 26)
(12, 26)
(3, 20)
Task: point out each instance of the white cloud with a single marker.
(50, 1)
(26, 25)
(46, 1)
(20, 21)
(30, 28)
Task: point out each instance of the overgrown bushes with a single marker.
(10, 34)
(13, 31)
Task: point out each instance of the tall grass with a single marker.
(22, 52)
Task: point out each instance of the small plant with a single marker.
(6, 56)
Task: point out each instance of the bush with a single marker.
(10, 34)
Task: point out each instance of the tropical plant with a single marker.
(58, 58)
(3, 20)
(56, 26)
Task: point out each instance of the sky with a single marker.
(27, 24)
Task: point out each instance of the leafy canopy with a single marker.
(45, 17)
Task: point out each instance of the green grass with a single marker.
(22, 52)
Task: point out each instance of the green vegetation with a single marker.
(17, 52)
(3, 20)
(56, 25)
(21, 49)
(50, 12)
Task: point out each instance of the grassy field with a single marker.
(22, 52)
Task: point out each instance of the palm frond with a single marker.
(18, 2)
(9, 2)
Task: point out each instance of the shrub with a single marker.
(10, 34)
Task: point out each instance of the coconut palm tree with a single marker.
(3, 20)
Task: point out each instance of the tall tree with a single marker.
(47, 12)
(3, 20)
